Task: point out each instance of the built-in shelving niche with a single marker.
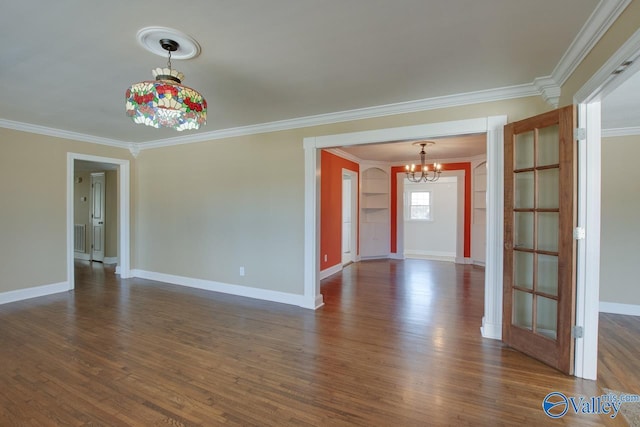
(479, 220)
(374, 214)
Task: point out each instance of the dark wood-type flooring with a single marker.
(396, 344)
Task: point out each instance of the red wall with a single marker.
(466, 167)
(331, 206)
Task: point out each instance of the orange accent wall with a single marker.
(331, 207)
(466, 167)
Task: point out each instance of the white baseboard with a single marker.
(463, 260)
(37, 291)
(617, 308)
(491, 330)
(396, 255)
(110, 260)
(226, 288)
(366, 258)
(431, 255)
(330, 271)
(478, 263)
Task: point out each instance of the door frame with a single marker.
(353, 207)
(492, 126)
(587, 100)
(124, 239)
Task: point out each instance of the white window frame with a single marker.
(407, 199)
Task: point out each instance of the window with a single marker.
(419, 205)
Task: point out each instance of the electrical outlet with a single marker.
(242, 271)
(325, 257)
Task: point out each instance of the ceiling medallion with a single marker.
(165, 102)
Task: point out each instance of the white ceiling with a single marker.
(66, 64)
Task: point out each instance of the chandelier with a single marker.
(425, 174)
(165, 101)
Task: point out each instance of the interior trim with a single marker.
(34, 292)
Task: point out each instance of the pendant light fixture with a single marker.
(165, 102)
(425, 174)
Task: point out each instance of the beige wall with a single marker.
(204, 210)
(207, 209)
(620, 238)
(33, 207)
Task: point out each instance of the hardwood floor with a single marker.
(397, 343)
(618, 355)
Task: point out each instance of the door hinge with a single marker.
(579, 134)
(577, 331)
(579, 233)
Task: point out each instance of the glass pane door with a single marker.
(539, 250)
(535, 219)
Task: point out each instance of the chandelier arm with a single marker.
(425, 174)
(411, 176)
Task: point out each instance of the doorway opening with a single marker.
(611, 75)
(491, 126)
(122, 213)
(95, 212)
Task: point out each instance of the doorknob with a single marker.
(100, 222)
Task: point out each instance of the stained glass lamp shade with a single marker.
(165, 102)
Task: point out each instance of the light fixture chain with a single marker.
(169, 60)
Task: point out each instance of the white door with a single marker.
(97, 216)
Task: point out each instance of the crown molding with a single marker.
(347, 156)
(630, 131)
(461, 99)
(604, 15)
(548, 89)
(489, 95)
(59, 133)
